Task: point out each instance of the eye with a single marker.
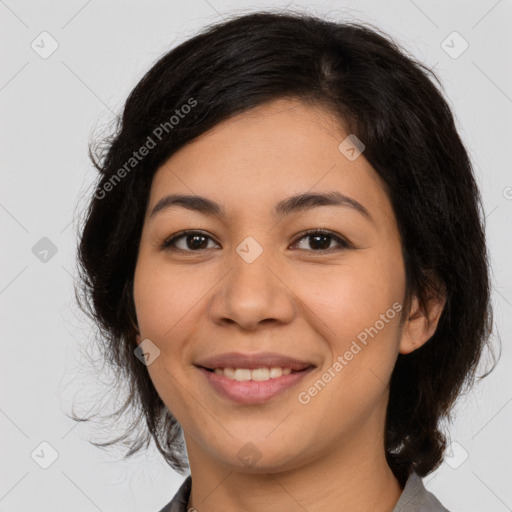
(195, 241)
(189, 241)
(320, 240)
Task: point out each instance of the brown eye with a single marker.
(191, 241)
(320, 240)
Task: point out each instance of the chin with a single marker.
(259, 457)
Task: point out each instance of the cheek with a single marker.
(165, 301)
(357, 313)
(348, 298)
(356, 310)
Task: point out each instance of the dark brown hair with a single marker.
(390, 102)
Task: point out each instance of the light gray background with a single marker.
(49, 110)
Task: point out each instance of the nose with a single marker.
(252, 294)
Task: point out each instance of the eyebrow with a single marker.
(299, 202)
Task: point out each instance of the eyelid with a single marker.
(343, 243)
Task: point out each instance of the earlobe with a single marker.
(421, 325)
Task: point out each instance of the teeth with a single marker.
(258, 374)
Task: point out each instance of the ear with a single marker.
(421, 325)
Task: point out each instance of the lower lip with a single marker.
(250, 391)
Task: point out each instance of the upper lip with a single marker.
(251, 361)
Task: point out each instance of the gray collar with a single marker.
(415, 498)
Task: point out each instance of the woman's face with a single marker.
(253, 282)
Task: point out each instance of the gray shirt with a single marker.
(414, 498)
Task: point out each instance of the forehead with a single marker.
(272, 151)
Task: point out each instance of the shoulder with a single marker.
(180, 499)
(416, 498)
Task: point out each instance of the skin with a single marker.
(294, 299)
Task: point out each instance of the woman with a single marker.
(286, 256)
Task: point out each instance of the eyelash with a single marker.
(343, 243)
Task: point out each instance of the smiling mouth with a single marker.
(252, 386)
(253, 378)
